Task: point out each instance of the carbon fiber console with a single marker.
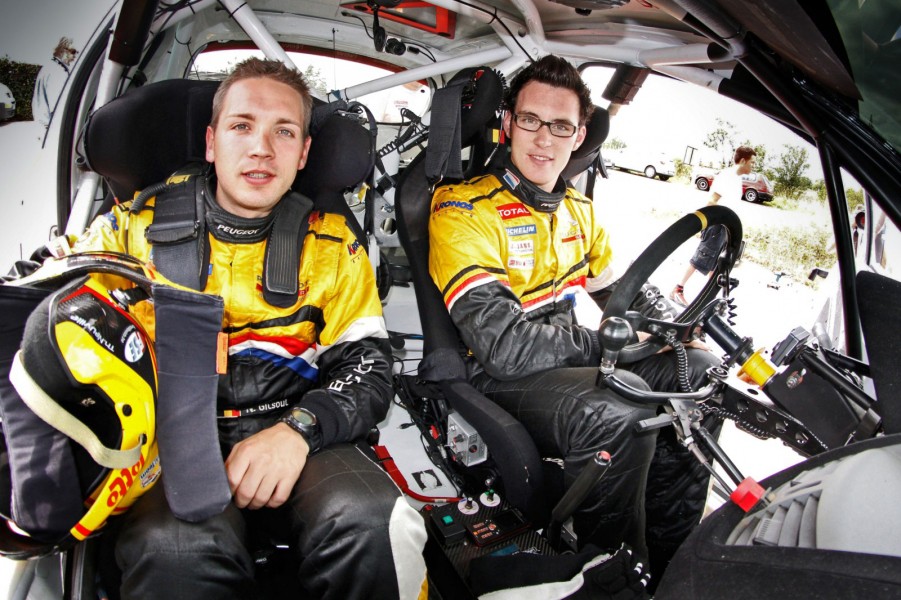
(456, 538)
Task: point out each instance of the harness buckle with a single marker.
(172, 233)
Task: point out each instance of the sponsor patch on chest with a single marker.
(521, 230)
(520, 247)
(512, 211)
(523, 263)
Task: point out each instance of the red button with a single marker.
(747, 494)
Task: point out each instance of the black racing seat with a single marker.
(516, 459)
(145, 135)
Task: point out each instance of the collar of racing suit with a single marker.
(227, 227)
(529, 193)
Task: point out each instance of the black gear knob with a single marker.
(615, 333)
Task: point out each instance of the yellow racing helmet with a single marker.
(86, 377)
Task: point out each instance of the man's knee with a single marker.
(357, 528)
(341, 485)
(150, 533)
(610, 421)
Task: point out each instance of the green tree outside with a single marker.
(788, 174)
(722, 140)
(315, 79)
(19, 78)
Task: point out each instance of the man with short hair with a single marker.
(51, 80)
(294, 473)
(511, 251)
(727, 184)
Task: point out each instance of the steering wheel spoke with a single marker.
(654, 255)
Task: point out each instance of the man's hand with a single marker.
(263, 468)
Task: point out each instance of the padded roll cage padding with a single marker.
(654, 255)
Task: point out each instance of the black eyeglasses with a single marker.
(533, 123)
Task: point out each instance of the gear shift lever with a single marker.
(615, 333)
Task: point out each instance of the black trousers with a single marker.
(570, 418)
(337, 520)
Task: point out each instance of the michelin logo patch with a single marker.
(522, 230)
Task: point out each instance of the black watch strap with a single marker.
(306, 424)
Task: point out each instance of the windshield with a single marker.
(871, 32)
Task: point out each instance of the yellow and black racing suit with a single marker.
(328, 353)
(508, 257)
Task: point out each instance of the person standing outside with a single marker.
(51, 80)
(727, 184)
(304, 381)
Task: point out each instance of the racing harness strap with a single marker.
(178, 231)
(283, 248)
(179, 236)
(443, 155)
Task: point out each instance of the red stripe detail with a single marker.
(387, 463)
(461, 288)
(82, 530)
(292, 345)
(573, 238)
(578, 281)
(534, 301)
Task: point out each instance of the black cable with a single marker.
(411, 46)
(504, 25)
(344, 13)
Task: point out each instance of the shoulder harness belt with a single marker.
(179, 236)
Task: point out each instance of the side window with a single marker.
(884, 244)
(787, 231)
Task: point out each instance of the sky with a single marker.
(30, 29)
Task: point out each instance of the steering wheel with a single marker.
(660, 249)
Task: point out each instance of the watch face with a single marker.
(304, 417)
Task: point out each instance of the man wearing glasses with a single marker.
(512, 252)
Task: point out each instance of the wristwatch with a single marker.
(306, 424)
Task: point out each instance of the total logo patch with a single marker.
(513, 211)
(521, 230)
